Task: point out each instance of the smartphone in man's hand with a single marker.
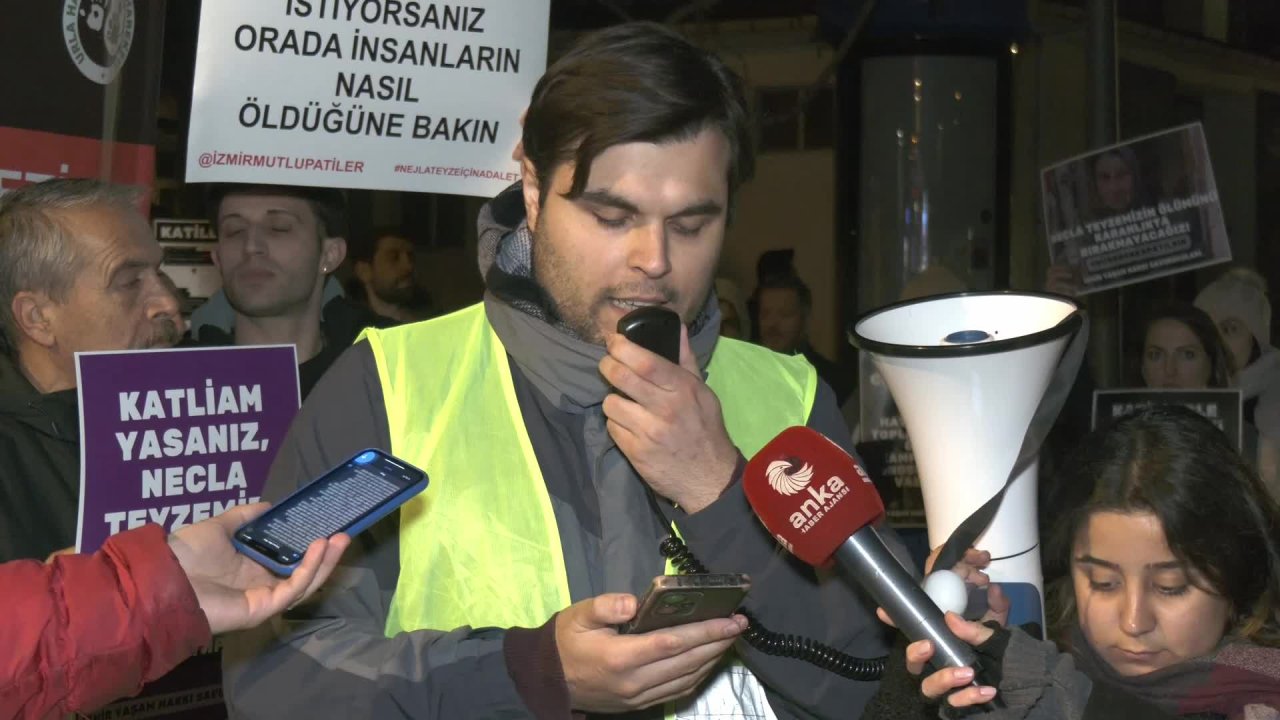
(679, 599)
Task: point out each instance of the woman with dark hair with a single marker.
(1115, 181)
(1164, 587)
(1182, 349)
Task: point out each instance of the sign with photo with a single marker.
(1135, 211)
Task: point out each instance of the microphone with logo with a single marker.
(821, 506)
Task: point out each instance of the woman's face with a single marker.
(1140, 608)
(1238, 339)
(1114, 179)
(1173, 357)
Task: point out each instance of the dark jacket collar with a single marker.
(55, 414)
(340, 322)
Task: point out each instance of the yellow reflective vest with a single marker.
(481, 547)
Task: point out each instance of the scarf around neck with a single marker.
(564, 369)
(1239, 680)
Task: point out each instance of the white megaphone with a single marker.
(967, 372)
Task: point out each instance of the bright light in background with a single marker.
(1013, 48)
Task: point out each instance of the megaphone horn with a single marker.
(968, 373)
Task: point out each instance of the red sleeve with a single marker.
(88, 629)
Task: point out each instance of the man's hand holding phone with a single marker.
(611, 672)
(680, 599)
(667, 422)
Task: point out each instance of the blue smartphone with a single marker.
(349, 498)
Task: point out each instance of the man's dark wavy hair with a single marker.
(635, 82)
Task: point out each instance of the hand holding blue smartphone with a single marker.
(348, 499)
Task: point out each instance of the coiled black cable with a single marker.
(779, 644)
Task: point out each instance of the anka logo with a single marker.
(98, 35)
(822, 499)
(787, 481)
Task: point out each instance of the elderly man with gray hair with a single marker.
(79, 272)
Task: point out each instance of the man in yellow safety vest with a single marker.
(560, 453)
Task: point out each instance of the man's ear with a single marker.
(33, 314)
(532, 192)
(332, 252)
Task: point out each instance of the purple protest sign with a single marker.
(173, 437)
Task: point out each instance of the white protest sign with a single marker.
(372, 94)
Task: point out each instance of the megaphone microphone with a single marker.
(821, 506)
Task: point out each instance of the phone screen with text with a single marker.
(330, 505)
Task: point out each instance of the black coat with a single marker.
(341, 322)
(39, 467)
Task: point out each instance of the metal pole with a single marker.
(1100, 52)
(1100, 48)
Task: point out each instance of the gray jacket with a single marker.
(330, 658)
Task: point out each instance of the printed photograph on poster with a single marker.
(1222, 407)
(885, 449)
(1134, 211)
(375, 95)
(173, 437)
(188, 259)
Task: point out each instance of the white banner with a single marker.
(374, 94)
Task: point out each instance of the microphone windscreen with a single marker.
(810, 494)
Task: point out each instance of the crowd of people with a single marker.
(563, 457)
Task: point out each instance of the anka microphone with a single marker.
(820, 505)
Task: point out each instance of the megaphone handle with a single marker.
(1055, 396)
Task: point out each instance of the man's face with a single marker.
(270, 254)
(782, 319)
(647, 230)
(119, 300)
(390, 275)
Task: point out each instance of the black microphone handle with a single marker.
(865, 557)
